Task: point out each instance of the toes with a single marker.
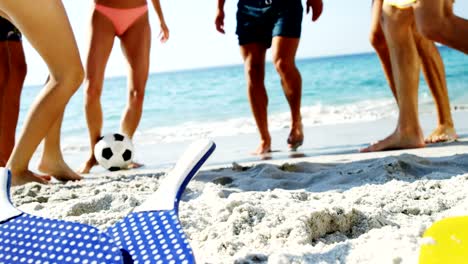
(378, 146)
(439, 138)
(294, 143)
(135, 165)
(67, 176)
(261, 151)
(429, 140)
(295, 146)
(39, 178)
(45, 177)
(364, 150)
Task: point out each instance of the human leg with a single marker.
(377, 40)
(284, 53)
(433, 69)
(4, 72)
(436, 21)
(136, 44)
(254, 30)
(38, 20)
(405, 66)
(287, 21)
(11, 95)
(100, 46)
(12, 74)
(254, 68)
(434, 73)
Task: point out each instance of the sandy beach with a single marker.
(325, 204)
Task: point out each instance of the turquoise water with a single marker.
(207, 102)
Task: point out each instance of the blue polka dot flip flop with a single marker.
(152, 233)
(25, 238)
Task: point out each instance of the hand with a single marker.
(164, 34)
(219, 21)
(317, 8)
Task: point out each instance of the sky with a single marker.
(194, 42)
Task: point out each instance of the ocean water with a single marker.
(213, 102)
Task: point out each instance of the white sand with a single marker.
(354, 208)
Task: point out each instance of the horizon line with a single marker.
(201, 68)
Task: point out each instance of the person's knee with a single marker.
(77, 75)
(136, 97)
(92, 90)
(254, 72)
(284, 66)
(430, 22)
(377, 39)
(75, 78)
(430, 29)
(70, 78)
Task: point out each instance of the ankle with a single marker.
(446, 123)
(296, 125)
(265, 141)
(54, 158)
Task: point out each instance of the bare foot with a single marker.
(442, 133)
(263, 148)
(86, 167)
(58, 169)
(23, 177)
(397, 141)
(134, 165)
(296, 138)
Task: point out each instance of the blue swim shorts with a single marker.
(258, 21)
(8, 32)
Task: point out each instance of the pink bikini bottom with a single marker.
(121, 18)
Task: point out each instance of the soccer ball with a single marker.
(114, 151)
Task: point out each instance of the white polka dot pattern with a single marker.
(153, 237)
(156, 236)
(33, 239)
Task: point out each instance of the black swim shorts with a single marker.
(258, 21)
(8, 32)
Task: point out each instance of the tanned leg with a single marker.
(100, 46)
(405, 66)
(12, 93)
(377, 40)
(38, 20)
(5, 148)
(433, 69)
(136, 43)
(254, 66)
(434, 72)
(284, 53)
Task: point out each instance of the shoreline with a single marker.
(320, 140)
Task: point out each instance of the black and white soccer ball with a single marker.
(114, 151)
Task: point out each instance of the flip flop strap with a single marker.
(7, 209)
(172, 187)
